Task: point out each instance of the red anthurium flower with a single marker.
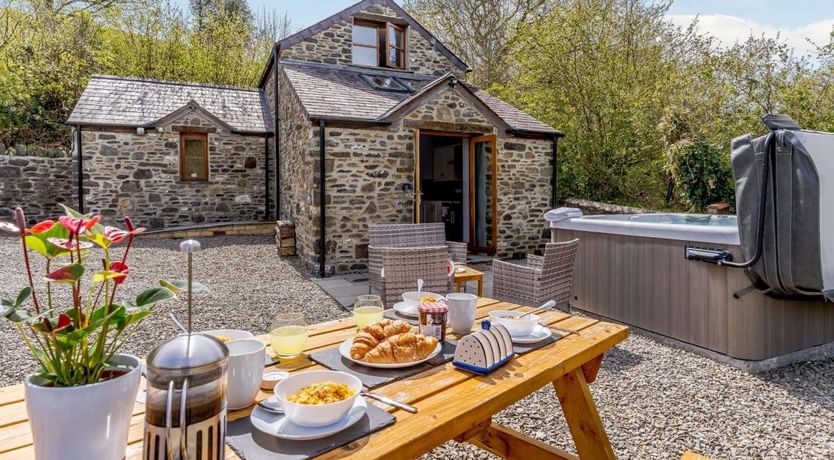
(42, 227)
(122, 268)
(64, 322)
(115, 234)
(69, 245)
(78, 226)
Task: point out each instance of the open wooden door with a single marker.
(483, 194)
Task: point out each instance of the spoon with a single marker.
(380, 398)
(177, 321)
(390, 402)
(271, 409)
(419, 287)
(545, 306)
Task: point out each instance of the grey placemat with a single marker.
(521, 348)
(372, 377)
(251, 444)
(392, 314)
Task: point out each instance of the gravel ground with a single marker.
(248, 284)
(656, 401)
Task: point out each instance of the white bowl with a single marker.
(233, 334)
(516, 327)
(412, 298)
(315, 415)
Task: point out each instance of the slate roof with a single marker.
(134, 102)
(337, 92)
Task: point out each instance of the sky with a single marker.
(728, 20)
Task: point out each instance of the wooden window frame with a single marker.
(369, 25)
(402, 51)
(184, 136)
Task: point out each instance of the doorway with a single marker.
(455, 184)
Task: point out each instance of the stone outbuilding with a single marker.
(374, 123)
(171, 154)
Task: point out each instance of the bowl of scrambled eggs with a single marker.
(317, 398)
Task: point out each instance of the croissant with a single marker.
(386, 328)
(362, 344)
(401, 348)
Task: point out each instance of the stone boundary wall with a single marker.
(37, 185)
(246, 228)
(596, 207)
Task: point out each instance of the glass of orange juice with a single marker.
(288, 335)
(367, 309)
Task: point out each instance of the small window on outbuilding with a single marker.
(387, 83)
(194, 156)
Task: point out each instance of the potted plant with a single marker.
(81, 399)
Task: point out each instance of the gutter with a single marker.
(266, 177)
(80, 168)
(322, 207)
(276, 51)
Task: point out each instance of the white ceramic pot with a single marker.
(85, 422)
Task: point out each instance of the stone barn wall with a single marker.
(129, 174)
(37, 185)
(334, 46)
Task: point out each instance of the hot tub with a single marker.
(631, 268)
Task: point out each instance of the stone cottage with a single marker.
(374, 123)
(171, 154)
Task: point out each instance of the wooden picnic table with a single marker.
(452, 404)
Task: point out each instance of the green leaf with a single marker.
(37, 244)
(22, 296)
(68, 274)
(182, 286)
(154, 295)
(6, 307)
(98, 277)
(19, 316)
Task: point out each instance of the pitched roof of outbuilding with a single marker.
(135, 102)
(338, 92)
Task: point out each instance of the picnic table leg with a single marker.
(510, 444)
(481, 286)
(582, 417)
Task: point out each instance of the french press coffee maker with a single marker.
(185, 413)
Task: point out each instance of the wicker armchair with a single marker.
(403, 266)
(407, 236)
(543, 278)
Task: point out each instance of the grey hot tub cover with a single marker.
(794, 254)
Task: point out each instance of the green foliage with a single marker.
(702, 173)
(615, 76)
(49, 50)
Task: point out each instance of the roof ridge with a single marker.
(176, 82)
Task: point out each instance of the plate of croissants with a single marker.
(390, 344)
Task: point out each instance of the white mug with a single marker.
(245, 372)
(462, 308)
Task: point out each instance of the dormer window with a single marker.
(379, 44)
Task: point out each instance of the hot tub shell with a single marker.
(636, 273)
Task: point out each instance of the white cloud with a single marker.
(731, 29)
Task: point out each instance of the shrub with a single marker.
(701, 174)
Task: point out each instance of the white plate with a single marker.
(460, 269)
(344, 349)
(539, 333)
(279, 426)
(406, 309)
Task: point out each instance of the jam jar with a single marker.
(433, 319)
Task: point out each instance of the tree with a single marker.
(478, 31)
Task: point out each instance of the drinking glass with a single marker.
(288, 334)
(367, 309)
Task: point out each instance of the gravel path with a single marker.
(656, 401)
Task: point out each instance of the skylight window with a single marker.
(387, 83)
